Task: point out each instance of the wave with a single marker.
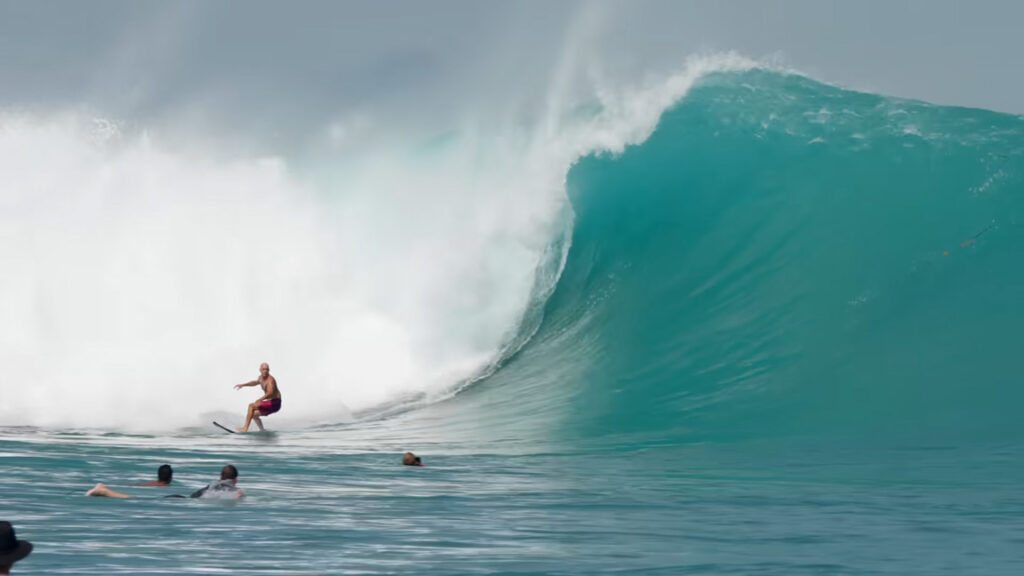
(783, 259)
(734, 252)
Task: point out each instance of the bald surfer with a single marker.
(265, 405)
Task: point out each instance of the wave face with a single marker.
(781, 259)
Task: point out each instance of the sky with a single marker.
(293, 72)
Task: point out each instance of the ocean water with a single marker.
(773, 331)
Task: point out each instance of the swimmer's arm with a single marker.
(113, 494)
(101, 490)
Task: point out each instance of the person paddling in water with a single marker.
(265, 405)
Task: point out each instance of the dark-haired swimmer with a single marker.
(410, 459)
(163, 476)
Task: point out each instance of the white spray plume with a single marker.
(139, 283)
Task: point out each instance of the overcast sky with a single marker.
(252, 65)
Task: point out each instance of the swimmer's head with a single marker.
(410, 459)
(164, 473)
(229, 472)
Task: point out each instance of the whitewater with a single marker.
(728, 320)
(396, 275)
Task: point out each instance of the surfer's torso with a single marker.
(265, 384)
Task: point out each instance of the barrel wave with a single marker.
(784, 259)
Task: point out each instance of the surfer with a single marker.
(410, 459)
(265, 405)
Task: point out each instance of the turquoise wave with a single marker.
(781, 259)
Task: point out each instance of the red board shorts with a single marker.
(268, 407)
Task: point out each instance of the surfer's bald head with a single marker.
(264, 366)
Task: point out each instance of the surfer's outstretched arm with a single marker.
(247, 384)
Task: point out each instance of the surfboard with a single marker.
(249, 433)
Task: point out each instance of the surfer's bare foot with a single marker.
(242, 429)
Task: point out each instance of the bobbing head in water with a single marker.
(410, 459)
(11, 549)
